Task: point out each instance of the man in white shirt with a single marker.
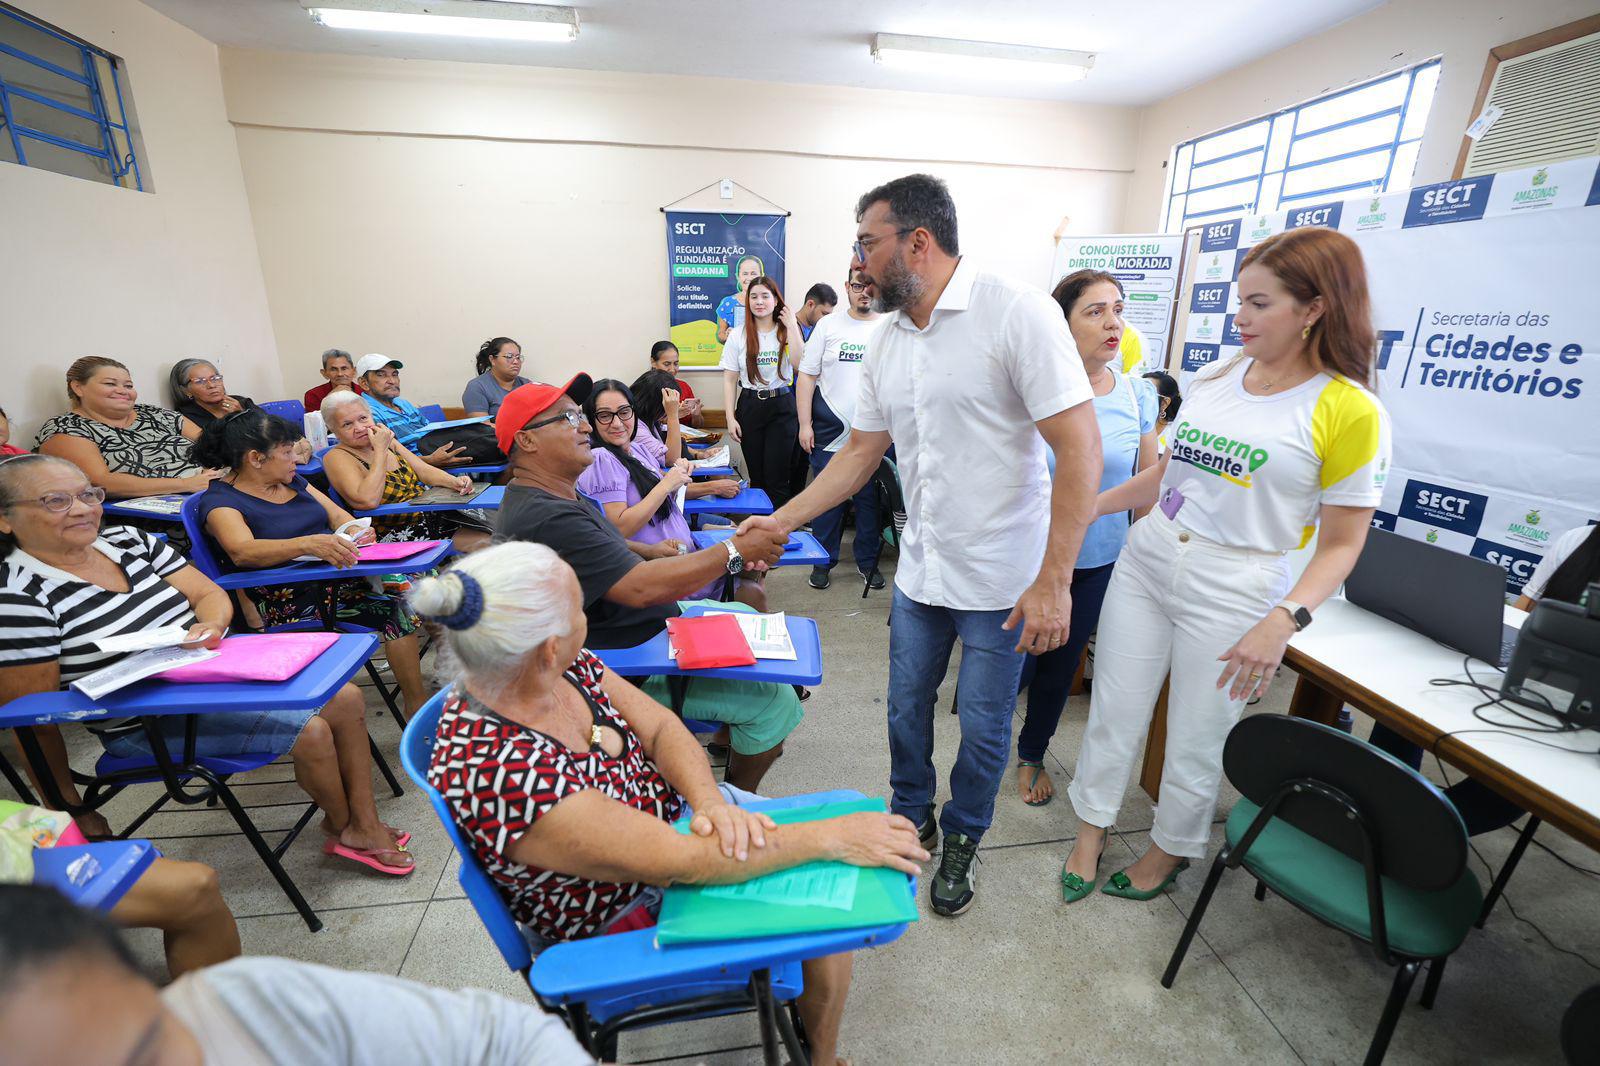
(971, 377)
(825, 398)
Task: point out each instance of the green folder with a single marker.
(817, 897)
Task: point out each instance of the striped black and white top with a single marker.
(46, 613)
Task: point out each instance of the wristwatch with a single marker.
(735, 560)
(1299, 614)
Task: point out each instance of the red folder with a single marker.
(712, 640)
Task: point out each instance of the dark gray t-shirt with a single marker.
(595, 549)
(483, 393)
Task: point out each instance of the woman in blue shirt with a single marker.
(1126, 408)
(730, 311)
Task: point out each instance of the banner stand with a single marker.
(712, 255)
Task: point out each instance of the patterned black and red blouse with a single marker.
(499, 777)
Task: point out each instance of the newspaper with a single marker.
(137, 667)
(153, 504)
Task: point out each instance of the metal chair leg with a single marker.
(1431, 987)
(388, 696)
(383, 767)
(761, 992)
(1193, 925)
(1503, 878)
(257, 841)
(789, 1030)
(1261, 891)
(1403, 979)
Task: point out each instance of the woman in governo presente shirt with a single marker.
(1271, 445)
(758, 365)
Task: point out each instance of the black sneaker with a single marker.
(874, 579)
(821, 576)
(953, 888)
(928, 834)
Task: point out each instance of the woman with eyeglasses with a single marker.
(757, 389)
(200, 395)
(125, 447)
(499, 371)
(67, 586)
(639, 497)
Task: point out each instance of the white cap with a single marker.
(373, 361)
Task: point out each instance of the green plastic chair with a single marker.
(1353, 837)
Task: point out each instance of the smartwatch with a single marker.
(1298, 613)
(735, 560)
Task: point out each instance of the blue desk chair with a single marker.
(433, 412)
(606, 985)
(120, 862)
(293, 410)
(205, 561)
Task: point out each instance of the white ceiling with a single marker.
(1147, 49)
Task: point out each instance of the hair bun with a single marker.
(453, 600)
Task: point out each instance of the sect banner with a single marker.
(710, 260)
(1148, 267)
(1484, 299)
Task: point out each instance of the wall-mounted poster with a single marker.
(711, 259)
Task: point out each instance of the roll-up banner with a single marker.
(1147, 265)
(1483, 294)
(710, 259)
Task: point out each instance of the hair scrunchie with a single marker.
(465, 616)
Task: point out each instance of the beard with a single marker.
(897, 287)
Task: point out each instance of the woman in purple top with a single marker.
(627, 479)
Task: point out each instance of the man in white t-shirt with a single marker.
(972, 377)
(825, 397)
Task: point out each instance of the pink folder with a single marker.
(401, 549)
(255, 657)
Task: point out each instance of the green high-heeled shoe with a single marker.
(1119, 884)
(1073, 887)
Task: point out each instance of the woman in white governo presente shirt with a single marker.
(1271, 445)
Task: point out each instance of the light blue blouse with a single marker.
(1125, 413)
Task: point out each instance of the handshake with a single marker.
(760, 541)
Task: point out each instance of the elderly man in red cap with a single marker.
(629, 591)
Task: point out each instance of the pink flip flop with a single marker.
(366, 857)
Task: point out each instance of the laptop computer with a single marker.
(1455, 599)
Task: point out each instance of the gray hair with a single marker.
(523, 606)
(917, 201)
(179, 378)
(337, 353)
(334, 400)
(14, 468)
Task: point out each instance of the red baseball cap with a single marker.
(526, 402)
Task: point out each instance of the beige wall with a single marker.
(418, 208)
(147, 278)
(1398, 34)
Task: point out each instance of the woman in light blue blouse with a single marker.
(730, 311)
(1126, 408)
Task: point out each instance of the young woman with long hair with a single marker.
(757, 388)
(1282, 442)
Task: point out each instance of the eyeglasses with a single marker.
(605, 418)
(856, 286)
(573, 418)
(859, 248)
(59, 502)
(510, 358)
(214, 379)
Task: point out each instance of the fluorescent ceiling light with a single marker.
(449, 18)
(940, 55)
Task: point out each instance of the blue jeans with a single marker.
(1049, 676)
(920, 640)
(828, 527)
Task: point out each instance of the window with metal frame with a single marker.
(1364, 138)
(63, 104)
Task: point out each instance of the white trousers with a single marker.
(1176, 602)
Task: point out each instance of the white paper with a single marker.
(351, 531)
(153, 504)
(1487, 118)
(719, 457)
(767, 634)
(165, 637)
(679, 497)
(137, 667)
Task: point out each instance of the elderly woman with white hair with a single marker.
(369, 468)
(200, 394)
(566, 778)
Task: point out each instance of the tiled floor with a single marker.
(1020, 978)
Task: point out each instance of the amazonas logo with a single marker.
(1227, 458)
(1527, 531)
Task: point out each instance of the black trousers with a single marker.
(770, 430)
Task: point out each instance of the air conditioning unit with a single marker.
(1550, 104)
